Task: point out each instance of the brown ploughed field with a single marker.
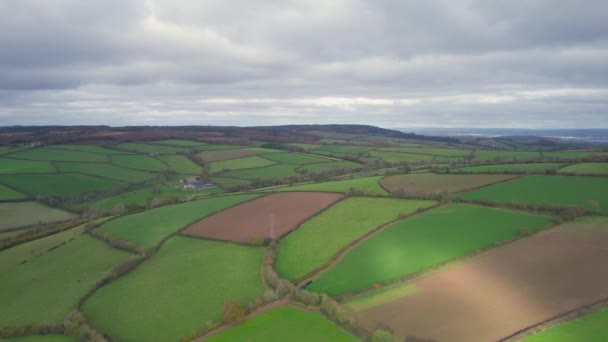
(267, 217)
(496, 294)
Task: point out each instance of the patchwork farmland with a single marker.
(301, 234)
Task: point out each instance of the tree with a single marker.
(381, 335)
(233, 311)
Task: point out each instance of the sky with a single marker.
(389, 63)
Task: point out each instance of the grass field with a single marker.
(573, 154)
(344, 149)
(41, 338)
(234, 153)
(417, 243)
(181, 164)
(59, 184)
(295, 158)
(139, 162)
(591, 327)
(27, 213)
(106, 170)
(177, 142)
(316, 241)
(229, 182)
(557, 190)
(8, 165)
(285, 323)
(52, 154)
(178, 291)
(305, 146)
(213, 147)
(329, 165)
(46, 288)
(398, 157)
(240, 163)
(141, 196)
(504, 155)
(149, 148)
(90, 148)
(425, 183)
(367, 185)
(272, 171)
(587, 169)
(8, 194)
(147, 228)
(512, 168)
(446, 152)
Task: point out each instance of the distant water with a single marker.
(570, 135)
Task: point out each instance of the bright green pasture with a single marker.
(367, 185)
(59, 184)
(317, 240)
(284, 323)
(512, 168)
(139, 162)
(330, 165)
(8, 194)
(54, 154)
(573, 154)
(556, 190)
(106, 170)
(398, 157)
(8, 165)
(423, 241)
(177, 142)
(48, 286)
(272, 171)
(446, 152)
(229, 182)
(181, 164)
(178, 291)
(90, 148)
(147, 228)
(294, 158)
(213, 147)
(591, 327)
(26, 213)
(424, 183)
(240, 163)
(233, 153)
(149, 148)
(587, 169)
(505, 155)
(41, 338)
(344, 149)
(140, 197)
(11, 149)
(305, 146)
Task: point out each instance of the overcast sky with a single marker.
(399, 63)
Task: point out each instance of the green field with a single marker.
(420, 242)
(587, 169)
(90, 148)
(45, 289)
(8, 194)
(367, 185)
(344, 149)
(140, 197)
(148, 148)
(446, 152)
(8, 165)
(432, 183)
(59, 184)
(27, 213)
(229, 182)
(233, 153)
(178, 291)
(139, 162)
(181, 164)
(147, 228)
(512, 168)
(295, 158)
(505, 155)
(573, 154)
(239, 163)
(106, 170)
(272, 171)
(398, 157)
(317, 240)
(41, 338)
(213, 147)
(177, 142)
(317, 167)
(556, 190)
(285, 323)
(305, 146)
(591, 327)
(52, 154)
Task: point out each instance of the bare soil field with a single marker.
(424, 183)
(267, 217)
(496, 294)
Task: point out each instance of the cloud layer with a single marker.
(392, 63)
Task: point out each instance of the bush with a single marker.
(381, 335)
(572, 212)
(270, 296)
(233, 312)
(307, 298)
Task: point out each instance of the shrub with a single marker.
(233, 311)
(270, 296)
(381, 335)
(572, 212)
(307, 298)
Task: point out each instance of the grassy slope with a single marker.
(177, 291)
(438, 183)
(59, 184)
(285, 324)
(48, 286)
(587, 168)
(505, 155)
(559, 190)
(447, 152)
(423, 241)
(177, 142)
(181, 164)
(147, 148)
(8, 165)
(41, 338)
(240, 163)
(147, 228)
(26, 213)
(90, 148)
(295, 158)
(272, 171)
(397, 157)
(106, 170)
(329, 165)
(344, 149)
(7, 194)
(51, 154)
(592, 327)
(369, 185)
(321, 237)
(139, 162)
(141, 196)
(514, 168)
